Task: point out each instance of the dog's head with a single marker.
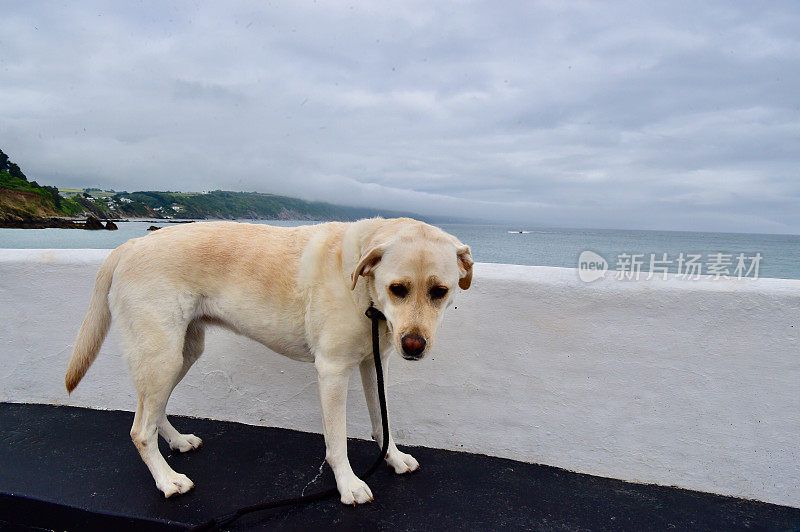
(412, 277)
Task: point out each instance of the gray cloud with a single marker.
(641, 115)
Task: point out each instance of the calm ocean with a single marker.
(780, 254)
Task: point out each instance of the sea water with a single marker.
(779, 255)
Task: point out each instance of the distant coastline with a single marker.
(29, 210)
(26, 204)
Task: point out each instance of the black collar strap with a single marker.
(374, 314)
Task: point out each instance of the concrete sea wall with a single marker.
(693, 383)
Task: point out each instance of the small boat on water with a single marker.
(519, 232)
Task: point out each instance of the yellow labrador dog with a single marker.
(300, 291)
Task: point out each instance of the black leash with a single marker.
(375, 316)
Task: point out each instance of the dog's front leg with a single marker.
(399, 461)
(333, 380)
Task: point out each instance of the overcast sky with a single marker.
(646, 115)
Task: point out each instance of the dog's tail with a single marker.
(95, 325)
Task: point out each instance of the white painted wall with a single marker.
(677, 382)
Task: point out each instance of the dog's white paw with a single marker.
(402, 462)
(175, 484)
(354, 490)
(185, 443)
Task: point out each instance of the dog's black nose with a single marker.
(413, 345)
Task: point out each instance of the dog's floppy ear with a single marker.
(465, 263)
(366, 264)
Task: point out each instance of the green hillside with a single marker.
(228, 205)
(21, 199)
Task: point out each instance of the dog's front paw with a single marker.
(402, 462)
(354, 491)
(175, 484)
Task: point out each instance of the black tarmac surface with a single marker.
(66, 468)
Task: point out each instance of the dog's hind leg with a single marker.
(193, 346)
(156, 359)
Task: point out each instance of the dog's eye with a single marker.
(438, 292)
(400, 290)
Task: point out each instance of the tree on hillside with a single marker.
(14, 170)
(7, 166)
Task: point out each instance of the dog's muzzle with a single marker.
(413, 346)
